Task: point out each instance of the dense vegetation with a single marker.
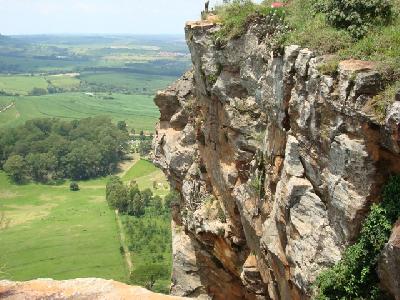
(354, 277)
(49, 149)
(128, 199)
(359, 29)
(237, 15)
(146, 220)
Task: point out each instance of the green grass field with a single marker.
(144, 173)
(21, 84)
(64, 81)
(129, 81)
(55, 233)
(139, 111)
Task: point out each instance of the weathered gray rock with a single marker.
(277, 165)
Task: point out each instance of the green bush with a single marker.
(310, 29)
(38, 92)
(354, 277)
(356, 16)
(237, 15)
(74, 187)
(173, 198)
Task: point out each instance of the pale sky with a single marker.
(97, 16)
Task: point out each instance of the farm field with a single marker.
(21, 84)
(139, 111)
(132, 82)
(56, 233)
(73, 77)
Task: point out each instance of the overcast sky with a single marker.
(97, 16)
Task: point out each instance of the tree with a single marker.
(15, 167)
(74, 187)
(38, 91)
(121, 125)
(171, 199)
(136, 206)
(145, 147)
(41, 166)
(157, 203)
(147, 196)
(52, 148)
(117, 194)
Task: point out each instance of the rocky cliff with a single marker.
(276, 165)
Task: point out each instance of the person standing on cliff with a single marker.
(207, 5)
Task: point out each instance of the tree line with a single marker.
(128, 199)
(44, 150)
(146, 219)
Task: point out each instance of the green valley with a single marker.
(52, 231)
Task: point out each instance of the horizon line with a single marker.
(92, 34)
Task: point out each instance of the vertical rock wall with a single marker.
(276, 164)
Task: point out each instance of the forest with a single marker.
(44, 150)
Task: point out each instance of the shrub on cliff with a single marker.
(237, 15)
(356, 16)
(354, 277)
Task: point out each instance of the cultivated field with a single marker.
(139, 111)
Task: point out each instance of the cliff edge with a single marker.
(276, 165)
(76, 289)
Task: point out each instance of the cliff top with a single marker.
(89, 288)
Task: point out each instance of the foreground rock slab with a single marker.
(89, 288)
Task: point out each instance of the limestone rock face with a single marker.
(77, 289)
(276, 165)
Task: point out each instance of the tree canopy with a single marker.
(49, 149)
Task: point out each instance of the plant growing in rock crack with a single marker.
(258, 177)
(221, 231)
(354, 276)
(330, 67)
(220, 213)
(207, 204)
(380, 103)
(212, 79)
(259, 136)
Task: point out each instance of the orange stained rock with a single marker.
(76, 289)
(355, 65)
